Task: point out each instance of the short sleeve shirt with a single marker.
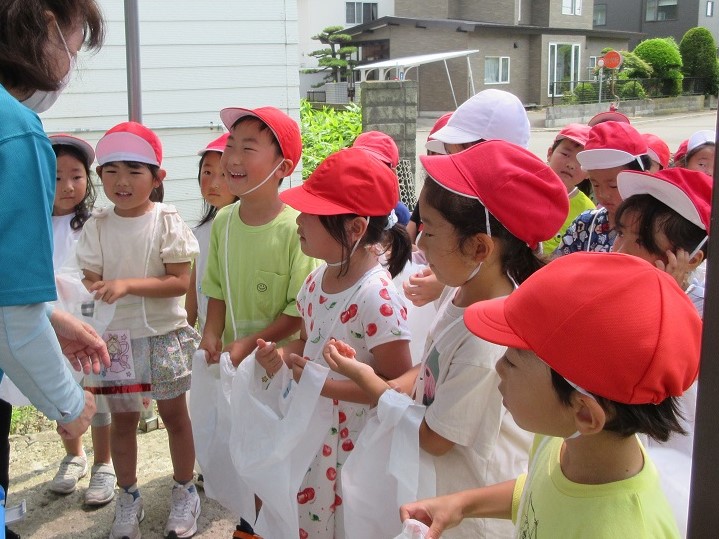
(590, 231)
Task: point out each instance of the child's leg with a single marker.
(73, 446)
(123, 447)
(101, 444)
(176, 418)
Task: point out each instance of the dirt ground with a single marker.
(34, 459)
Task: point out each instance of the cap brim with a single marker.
(699, 138)
(642, 183)
(577, 140)
(450, 134)
(205, 150)
(443, 170)
(125, 146)
(604, 158)
(436, 146)
(84, 147)
(303, 201)
(486, 319)
(608, 116)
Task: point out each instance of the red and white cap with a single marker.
(705, 136)
(217, 145)
(489, 115)
(687, 192)
(379, 145)
(656, 332)
(608, 116)
(512, 183)
(681, 152)
(285, 129)
(432, 144)
(129, 141)
(657, 149)
(84, 147)
(611, 144)
(578, 133)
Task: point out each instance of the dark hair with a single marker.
(634, 165)
(158, 193)
(396, 239)
(466, 215)
(655, 215)
(24, 38)
(84, 208)
(208, 210)
(690, 154)
(657, 421)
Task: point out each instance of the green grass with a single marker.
(27, 419)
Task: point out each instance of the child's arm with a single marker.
(433, 443)
(446, 512)
(280, 328)
(271, 358)
(214, 327)
(174, 283)
(191, 298)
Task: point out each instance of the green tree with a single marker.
(699, 58)
(335, 60)
(666, 61)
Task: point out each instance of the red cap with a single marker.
(285, 129)
(687, 192)
(657, 149)
(681, 151)
(380, 146)
(515, 186)
(579, 133)
(608, 116)
(82, 146)
(653, 352)
(217, 145)
(432, 144)
(611, 144)
(129, 141)
(348, 181)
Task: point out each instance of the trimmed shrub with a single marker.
(664, 57)
(698, 51)
(586, 92)
(632, 90)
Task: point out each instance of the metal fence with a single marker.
(605, 90)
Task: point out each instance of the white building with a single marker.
(197, 58)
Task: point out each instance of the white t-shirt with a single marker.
(465, 406)
(64, 239)
(202, 233)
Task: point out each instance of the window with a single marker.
(661, 10)
(496, 69)
(600, 15)
(563, 68)
(359, 12)
(592, 66)
(571, 7)
(710, 8)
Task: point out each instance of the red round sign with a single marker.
(612, 60)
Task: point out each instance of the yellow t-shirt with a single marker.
(578, 202)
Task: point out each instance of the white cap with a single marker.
(489, 115)
(700, 137)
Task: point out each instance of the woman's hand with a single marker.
(79, 342)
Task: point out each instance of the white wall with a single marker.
(195, 61)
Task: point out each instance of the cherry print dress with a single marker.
(368, 314)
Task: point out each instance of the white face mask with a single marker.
(42, 100)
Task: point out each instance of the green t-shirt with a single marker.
(578, 202)
(553, 506)
(266, 267)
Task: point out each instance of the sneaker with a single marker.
(200, 481)
(9, 534)
(71, 470)
(184, 510)
(102, 485)
(128, 515)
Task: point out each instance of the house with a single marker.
(195, 60)
(536, 49)
(656, 18)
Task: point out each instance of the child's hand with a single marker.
(439, 513)
(268, 357)
(422, 288)
(298, 365)
(213, 346)
(110, 291)
(677, 266)
(239, 350)
(340, 357)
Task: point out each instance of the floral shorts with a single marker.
(171, 362)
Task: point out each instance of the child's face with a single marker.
(440, 244)
(528, 394)
(315, 240)
(213, 186)
(249, 157)
(604, 184)
(703, 160)
(563, 161)
(129, 186)
(628, 242)
(71, 185)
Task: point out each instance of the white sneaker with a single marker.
(102, 485)
(184, 511)
(71, 470)
(128, 515)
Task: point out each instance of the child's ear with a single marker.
(696, 260)
(357, 227)
(549, 153)
(482, 247)
(589, 416)
(161, 175)
(284, 168)
(98, 170)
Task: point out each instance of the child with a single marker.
(138, 254)
(484, 210)
(345, 205)
(680, 154)
(658, 152)
(700, 152)
(589, 475)
(610, 148)
(74, 199)
(215, 196)
(562, 159)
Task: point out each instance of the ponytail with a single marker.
(400, 247)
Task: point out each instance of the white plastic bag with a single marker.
(413, 529)
(386, 469)
(276, 432)
(210, 414)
